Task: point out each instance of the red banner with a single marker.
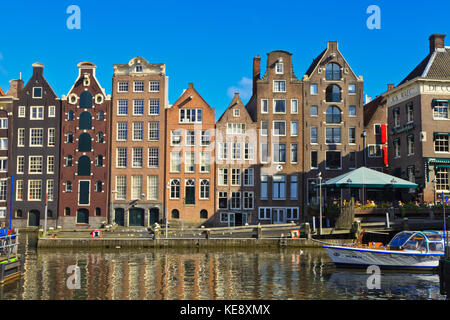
(385, 156)
(383, 133)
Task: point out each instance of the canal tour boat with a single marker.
(407, 250)
(11, 263)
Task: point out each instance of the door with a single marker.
(84, 192)
(154, 215)
(238, 219)
(33, 218)
(136, 217)
(83, 216)
(119, 216)
(279, 215)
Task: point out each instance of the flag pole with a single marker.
(444, 222)
(11, 203)
(45, 215)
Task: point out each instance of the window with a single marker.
(294, 106)
(409, 112)
(121, 187)
(154, 86)
(70, 115)
(122, 131)
(85, 100)
(265, 214)
(4, 165)
(153, 157)
(189, 191)
(235, 202)
(248, 202)
(292, 213)
(50, 164)
(314, 111)
(204, 189)
(248, 177)
(293, 187)
(3, 143)
(138, 86)
(3, 123)
(99, 161)
(411, 174)
(333, 93)
(333, 71)
(333, 160)
(314, 159)
(235, 177)
(352, 159)
(235, 128)
(352, 111)
(37, 92)
(264, 153)
(396, 113)
(333, 115)
(69, 161)
(153, 108)
(175, 214)
(191, 115)
(100, 137)
(21, 112)
(294, 128)
(279, 68)
(21, 137)
(85, 120)
(203, 214)
(352, 135)
(264, 106)
(84, 166)
(351, 88)
(314, 138)
(249, 151)
(175, 161)
(440, 110)
(136, 187)
(152, 187)
(279, 86)
(100, 116)
(138, 107)
(175, 139)
(279, 152)
(223, 200)
(264, 186)
(441, 143)
(410, 144)
(294, 152)
(279, 106)
(138, 68)
(205, 162)
(223, 176)
(279, 128)
(236, 113)
(51, 137)
(264, 128)
(175, 189)
(67, 211)
(50, 190)
(236, 151)
(137, 157)
(313, 89)
(190, 138)
(19, 190)
(36, 137)
(122, 107)
(34, 190)
(35, 165)
(85, 142)
(68, 186)
(3, 189)
(442, 177)
(397, 148)
(123, 86)
(206, 137)
(279, 187)
(121, 158)
(153, 131)
(333, 135)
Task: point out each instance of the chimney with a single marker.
(390, 86)
(256, 71)
(332, 45)
(38, 69)
(436, 42)
(191, 85)
(15, 87)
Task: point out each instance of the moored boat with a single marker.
(407, 250)
(11, 263)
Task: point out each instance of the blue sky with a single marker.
(212, 43)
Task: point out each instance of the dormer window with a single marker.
(279, 68)
(236, 112)
(37, 92)
(139, 68)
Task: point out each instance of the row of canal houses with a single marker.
(89, 158)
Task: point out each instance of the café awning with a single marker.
(368, 178)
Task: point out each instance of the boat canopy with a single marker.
(418, 240)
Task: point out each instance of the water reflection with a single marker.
(156, 274)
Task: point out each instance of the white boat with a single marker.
(407, 250)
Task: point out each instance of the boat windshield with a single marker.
(400, 239)
(416, 242)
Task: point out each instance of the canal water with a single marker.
(196, 274)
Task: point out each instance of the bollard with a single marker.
(405, 224)
(314, 224)
(307, 231)
(388, 225)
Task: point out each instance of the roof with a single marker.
(1, 92)
(372, 107)
(365, 177)
(315, 63)
(436, 65)
(236, 101)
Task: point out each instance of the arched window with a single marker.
(69, 137)
(333, 115)
(67, 211)
(84, 166)
(85, 100)
(100, 116)
(333, 93)
(98, 212)
(175, 214)
(100, 137)
(19, 213)
(84, 142)
(70, 115)
(333, 71)
(99, 161)
(175, 189)
(203, 214)
(85, 121)
(204, 189)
